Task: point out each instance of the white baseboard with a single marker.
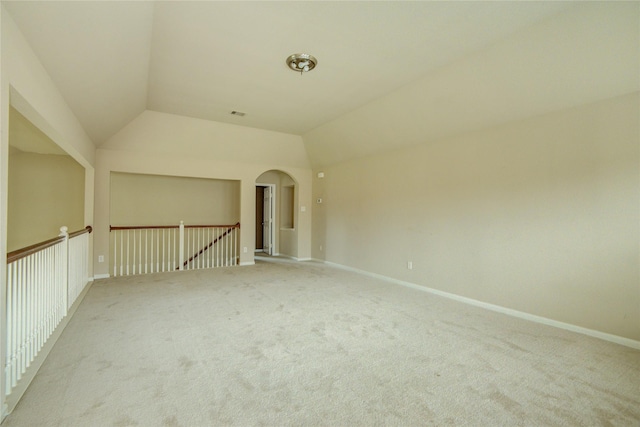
(247, 263)
(101, 276)
(294, 258)
(497, 308)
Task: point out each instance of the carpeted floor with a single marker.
(304, 344)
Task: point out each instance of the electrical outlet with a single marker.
(244, 249)
(320, 248)
(100, 258)
(410, 265)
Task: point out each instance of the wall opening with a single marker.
(139, 199)
(278, 237)
(46, 186)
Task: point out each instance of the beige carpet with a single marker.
(304, 344)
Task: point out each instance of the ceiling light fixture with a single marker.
(302, 62)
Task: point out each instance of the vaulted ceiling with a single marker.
(113, 60)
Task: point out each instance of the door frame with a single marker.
(272, 223)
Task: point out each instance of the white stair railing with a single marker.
(154, 249)
(142, 250)
(211, 247)
(43, 281)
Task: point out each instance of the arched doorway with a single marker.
(275, 214)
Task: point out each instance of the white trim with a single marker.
(243, 263)
(101, 276)
(497, 308)
(283, 257)
(296, 258)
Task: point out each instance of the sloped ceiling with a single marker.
(584, 54)
(113, 60)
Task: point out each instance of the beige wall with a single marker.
(46, 191)
(540, 215)
(167, 200)
(170, 145)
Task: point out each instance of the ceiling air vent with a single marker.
(238, 113)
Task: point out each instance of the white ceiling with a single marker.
(112, 60)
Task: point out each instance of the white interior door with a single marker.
(267, 222)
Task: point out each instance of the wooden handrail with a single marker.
(25, 252)
(196, 255)
(87, 229)
(236, 225)
(142, 227)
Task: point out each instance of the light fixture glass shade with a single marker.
(301, 62)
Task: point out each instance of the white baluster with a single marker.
(139, 251)
(7, 366)
(171, 261)
(121, 251)
(133, 252)
(210, 238)
(226, 249)
(219, 245)
(199, 247)
(8, 347)
(146, 251)
(16, 322)
(181, 247)
(128, 259)
(187, 248)
(26, 344)
(64, 264)
(215, 247)
(22, 311)
(168, 248)
(191, 238)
